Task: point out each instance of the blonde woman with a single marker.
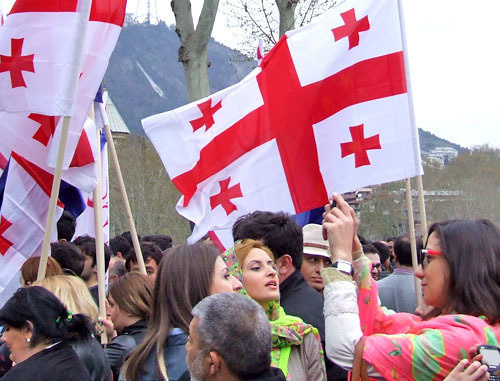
(73, 292)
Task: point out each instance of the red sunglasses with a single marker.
(427, 252)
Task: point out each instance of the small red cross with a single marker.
(225, 195)
(46, 129)
(208, 112)
(352, 28)
(5, 244)
(17, 63)
(359, 146)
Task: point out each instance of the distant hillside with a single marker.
(150, 51)
(429, 141)
(145, 78)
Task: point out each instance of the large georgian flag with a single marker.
(40, 55)
(326, 111)
(23, 213)
(37, 136)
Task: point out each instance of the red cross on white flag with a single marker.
(326, 110)
(40, 55)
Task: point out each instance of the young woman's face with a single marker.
(222, 281)
(17, 343)
(434, 275)
(260, 276)
(116, 314)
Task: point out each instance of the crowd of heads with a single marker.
(190, 288)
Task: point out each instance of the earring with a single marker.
(28, 340)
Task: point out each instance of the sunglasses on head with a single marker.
(425, 255)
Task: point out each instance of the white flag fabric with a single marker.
(327, 110)
(40, 55)
(104, 27)
(85, 222)
(23, 216)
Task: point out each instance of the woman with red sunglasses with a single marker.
(460, 276)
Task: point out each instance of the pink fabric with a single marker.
(403, 347)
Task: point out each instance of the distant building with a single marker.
(441, 155)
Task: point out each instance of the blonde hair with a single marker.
(72, 292)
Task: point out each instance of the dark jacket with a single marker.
(88, 349)
(272, 374)
(300, 299)
(122, 344)
(5, 363)
(174, 355)
(57, 363)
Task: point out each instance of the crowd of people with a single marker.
(317, 302)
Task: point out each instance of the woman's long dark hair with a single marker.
(472, 251)
(184, 278)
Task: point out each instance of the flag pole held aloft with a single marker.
(54, 196)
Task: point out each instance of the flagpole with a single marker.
(54, 197)
(421, 207)
(99, 236)
(126, 204)
(416, 151)
(413, 241)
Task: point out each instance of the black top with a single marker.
(57, 363)
(300, 299)
(122, 344)
(271, 374)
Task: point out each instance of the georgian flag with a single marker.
(327, 110)
(40, 55)
(85, 222)
(104, 27)
(37, 136)
(29, 134)
(23, 214)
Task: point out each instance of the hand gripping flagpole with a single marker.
(123, 192)
(99, 235)
(411, 108)
(54, 196)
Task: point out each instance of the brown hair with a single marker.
(243, 248)
(184, 277)
(29, 270)
(133, 293)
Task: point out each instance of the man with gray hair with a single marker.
(230, 339)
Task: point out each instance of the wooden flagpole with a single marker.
(126, 204)
(99, 236)
(411, 109)
(421, 208)
(54, 197)
(413, 241)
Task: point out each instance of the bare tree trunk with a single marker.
(287, 15)
(194, 43)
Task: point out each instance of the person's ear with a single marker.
(214, 362)
(28, 331)
(284, 264)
